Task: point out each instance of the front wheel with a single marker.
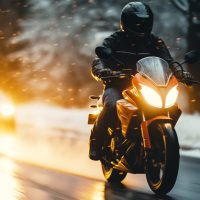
(163, 162)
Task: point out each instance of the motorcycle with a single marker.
(145, 140)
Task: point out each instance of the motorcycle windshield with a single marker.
(156, 69)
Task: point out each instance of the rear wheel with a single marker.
(163, 164)
(112, 175)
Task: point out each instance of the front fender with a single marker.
(145, 129)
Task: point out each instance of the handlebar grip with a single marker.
(195, 82)
(116, 76)
(190, 82)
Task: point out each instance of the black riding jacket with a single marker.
(120, 41)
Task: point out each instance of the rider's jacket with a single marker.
(141, 47)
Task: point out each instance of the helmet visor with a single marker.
(140, 26)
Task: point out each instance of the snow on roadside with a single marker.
(188, 131)
(191, 153)
(75, 120)
(54, 122)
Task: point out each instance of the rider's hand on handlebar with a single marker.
(187, 78)
(184, 77)
(105, 72)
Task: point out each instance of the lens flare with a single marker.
(7, 109)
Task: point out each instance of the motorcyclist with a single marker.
(135, 35)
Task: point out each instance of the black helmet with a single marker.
(137, 19)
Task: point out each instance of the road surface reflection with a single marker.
(120, 191)
(17, 186)
(41, 168)
(11, 189)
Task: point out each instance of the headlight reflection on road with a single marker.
(9, 186)
(98, 192)
(8, 145)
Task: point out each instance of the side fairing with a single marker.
(125, 111)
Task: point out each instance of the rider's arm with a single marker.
(98, 64)
(113, 40)
(162, 51)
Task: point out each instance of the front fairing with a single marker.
(155, 69)
(154, 73)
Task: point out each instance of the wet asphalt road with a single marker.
(21, 181)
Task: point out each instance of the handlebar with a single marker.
(124, 73)
(193, 82)
(116, 76)
(127, 73)
(190, 82)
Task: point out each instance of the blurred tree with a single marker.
(10, 12)
(47, 46)
(60, 38)
(193, 39)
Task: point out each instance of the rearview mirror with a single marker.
(192, 57)
(103, 52)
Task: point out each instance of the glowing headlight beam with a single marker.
(171, 97)
(151, 96)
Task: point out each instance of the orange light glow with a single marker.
(7, 109)
(9, 185)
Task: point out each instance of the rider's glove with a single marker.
(187, 78)
(184, 77)
(181, 75)
(105, 72)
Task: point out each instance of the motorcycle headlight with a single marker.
(171, 97)
(151, 96)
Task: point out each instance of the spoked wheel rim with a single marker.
(106, 165)
(110, 173)
(108, 169)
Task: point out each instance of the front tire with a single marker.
(163, 164)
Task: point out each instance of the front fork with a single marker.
(145, 129)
